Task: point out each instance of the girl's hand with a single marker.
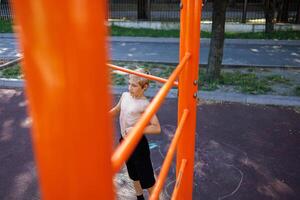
(127, 130)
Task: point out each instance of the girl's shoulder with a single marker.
(124, 94)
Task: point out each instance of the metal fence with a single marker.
(5, 11)
(168, 10)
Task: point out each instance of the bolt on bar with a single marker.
(148, 76)
(178, 181)
(167, 163)
(189, 42)
(124, 150)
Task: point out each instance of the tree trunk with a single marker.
(142, 9)
(269, 15)
(297, 21)
(283, 11)
(217, 40)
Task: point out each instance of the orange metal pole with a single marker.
(68, 96)
(124, 150)
(188, 87)
(151, 77)
(168, 160)
(178, 180)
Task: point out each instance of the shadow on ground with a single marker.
(242, 152)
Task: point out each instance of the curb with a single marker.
(251, 99)
(212, 96)
(204, 65)
(10, 63)
(176, 40)
(205, 25)
(201, 64)
(8, 35)
(205, 40)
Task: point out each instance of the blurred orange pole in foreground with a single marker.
(64, 45)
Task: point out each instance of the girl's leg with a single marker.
(138, 188)
(150, 190)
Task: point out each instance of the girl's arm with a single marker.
(152, 128)
(116, 110)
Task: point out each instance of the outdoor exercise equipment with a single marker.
(66, 73)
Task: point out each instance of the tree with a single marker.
(142, 9)
(269, 9)
(297, 21)
(217, 40)
(283, 11)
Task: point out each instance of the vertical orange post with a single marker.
(189, 42)
(64, 45)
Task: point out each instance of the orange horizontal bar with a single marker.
(168, 160)
(178, 180)
(125, 149)
(148, 76)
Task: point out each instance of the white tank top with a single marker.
(131, 111)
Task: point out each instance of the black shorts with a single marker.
(139, 164)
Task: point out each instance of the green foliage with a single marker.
(297, 90)
(146, 32)
(118, 79)
(277, 79)
(209, 86)
(243, 82)
(204, 84)
(6, 26)
(246, 82)
(280, 35)
(249, 81)
(166, 72)
(11, 72)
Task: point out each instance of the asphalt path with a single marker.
(262, 53)
(242, 151)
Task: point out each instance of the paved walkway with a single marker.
(268, 53)
(242, 152)
(264, 53)
(205, 95)
(237, 52)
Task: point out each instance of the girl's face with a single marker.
(135, 89)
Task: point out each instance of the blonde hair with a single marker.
(140, 80)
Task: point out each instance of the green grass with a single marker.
(6, 26)
(244, 82)
(11, 72)
(144, 32)
(118, 79)
(205, 85)
(279, 35)
(277, 79)
(165, 73)
(122, 31)
(297, 90)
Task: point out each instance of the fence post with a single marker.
(142, 9)
(297, 21)
(149, 9)
(244, 16)
(188, 79)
